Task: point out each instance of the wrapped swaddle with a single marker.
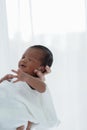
(20, 104)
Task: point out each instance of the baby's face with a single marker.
(30, 61)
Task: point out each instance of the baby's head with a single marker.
(36, 57)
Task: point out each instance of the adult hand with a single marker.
(20, 128)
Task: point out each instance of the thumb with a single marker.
(40, 75)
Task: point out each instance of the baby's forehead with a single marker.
(34, 52)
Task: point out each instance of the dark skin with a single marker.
(28, 67)
(30, 71)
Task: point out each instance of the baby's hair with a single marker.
(47, 58)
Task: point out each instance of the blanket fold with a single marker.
(20, 104)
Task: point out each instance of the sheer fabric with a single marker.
(41, 22)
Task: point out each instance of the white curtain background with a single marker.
(60, 25)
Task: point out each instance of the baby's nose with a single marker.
(24, 60)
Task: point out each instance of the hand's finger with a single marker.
(14, 76)
(20, 128)
(29, 125)
(15, 71)
(19, 70)
(40, 75)
(48, 70)
(35, 71)
(10, 76)
(16, 81)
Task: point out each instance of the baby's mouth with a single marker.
(22, 66)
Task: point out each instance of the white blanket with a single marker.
(20, 104)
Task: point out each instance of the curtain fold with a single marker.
(4, 41)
